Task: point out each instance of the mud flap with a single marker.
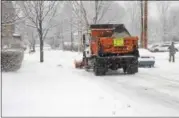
(79, 64)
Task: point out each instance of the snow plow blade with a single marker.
(79, 64)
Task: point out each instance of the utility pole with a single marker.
(145, 23)
(142, 26)
(71, 34)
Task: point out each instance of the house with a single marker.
(8, 28)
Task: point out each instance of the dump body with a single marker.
(111, 40)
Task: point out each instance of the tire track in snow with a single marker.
(135, 91)
(162, 80)
(140, 93)
(159, 77)
(148, 93)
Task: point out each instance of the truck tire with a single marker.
(99, 68)
(99, 71)
(130, 70)
(133, 67)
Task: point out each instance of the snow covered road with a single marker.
(56, 88)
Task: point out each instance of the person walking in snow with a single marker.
(172, 52)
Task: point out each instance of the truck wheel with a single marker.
(99, 71)
(133, 67)
(131, 70)
(99, 68)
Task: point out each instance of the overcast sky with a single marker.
(153, 8)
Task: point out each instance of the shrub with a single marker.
(11, 59)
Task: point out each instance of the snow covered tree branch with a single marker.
(41, 14)
(134, 12)
(91, 12)
(163, 10)
(173, 23)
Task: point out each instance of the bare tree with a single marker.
(174, 24)
(153, 31)
(163, 10)
(31, 36)
(133, 11)
(91, 12)
(101, 8)
(41, 14)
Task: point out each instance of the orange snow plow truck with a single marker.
(109, 46)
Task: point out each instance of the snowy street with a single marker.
(56, 88)
(41, 62)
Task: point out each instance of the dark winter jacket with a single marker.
(172, 49)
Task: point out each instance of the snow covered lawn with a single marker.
(56, 88)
